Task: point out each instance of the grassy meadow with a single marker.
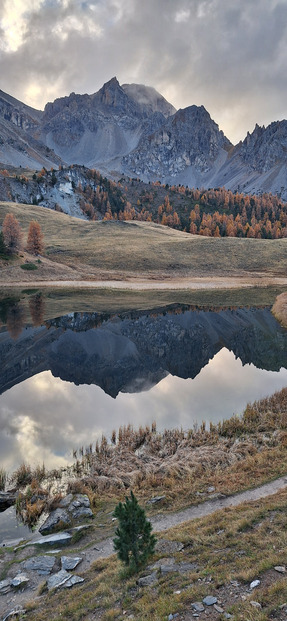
(123, 249)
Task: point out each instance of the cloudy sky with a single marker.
(229, 55)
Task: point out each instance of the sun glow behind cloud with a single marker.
(14, 22)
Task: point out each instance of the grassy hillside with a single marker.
(147, 249)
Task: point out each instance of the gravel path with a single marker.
(163, 522)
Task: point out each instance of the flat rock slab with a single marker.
(197, 607)
(73, 580)
(42, 564)
(62, 579)
(280, 568)
(209, 600)
(56, 539)
(181, 568)
(5, 587)
(11, 543)
(69, 562)
(155, 499)
(16, 612)
(162, 561)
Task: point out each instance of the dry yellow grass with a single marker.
(280, 309)
(121, 250)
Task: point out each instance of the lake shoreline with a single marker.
(141, 284)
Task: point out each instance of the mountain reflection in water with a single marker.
(44, 417)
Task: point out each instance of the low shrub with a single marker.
(29, 266)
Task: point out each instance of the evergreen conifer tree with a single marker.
(134, 542)
(3, 248)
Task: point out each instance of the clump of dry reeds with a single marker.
(31, 504)
(24, 475)
(279, 309)
(143, 458)
(3, 479)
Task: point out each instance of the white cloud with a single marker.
(230, 57)
(182, 16)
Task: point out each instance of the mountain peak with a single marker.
(149, 99)
(110, 92)
(112, 83)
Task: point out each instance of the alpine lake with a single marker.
(76, 365)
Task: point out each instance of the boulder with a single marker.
(155, 500)
(58, 517)
(80, 507)
(70, 509)
(7, 499)
(62, 579)
(147, 580)
(19, 581)
(65, 502)
(42, 564)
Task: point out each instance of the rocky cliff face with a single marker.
(189, 138)
(266, 148)
(99, 129)
(133, 129)
(19, 136)
(133, 353)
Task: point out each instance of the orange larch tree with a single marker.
(35, 239)
(12, 233)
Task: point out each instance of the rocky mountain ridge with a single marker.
(132, 129)
(130, 354)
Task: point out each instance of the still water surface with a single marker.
(66, 382)
(44, 418)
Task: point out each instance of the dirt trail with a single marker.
(163, 522)
(212, 282)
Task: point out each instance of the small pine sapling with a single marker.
(134, 542)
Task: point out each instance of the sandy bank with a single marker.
(146, 284)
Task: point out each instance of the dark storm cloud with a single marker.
(228, 55)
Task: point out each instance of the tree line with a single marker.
(215, 212)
